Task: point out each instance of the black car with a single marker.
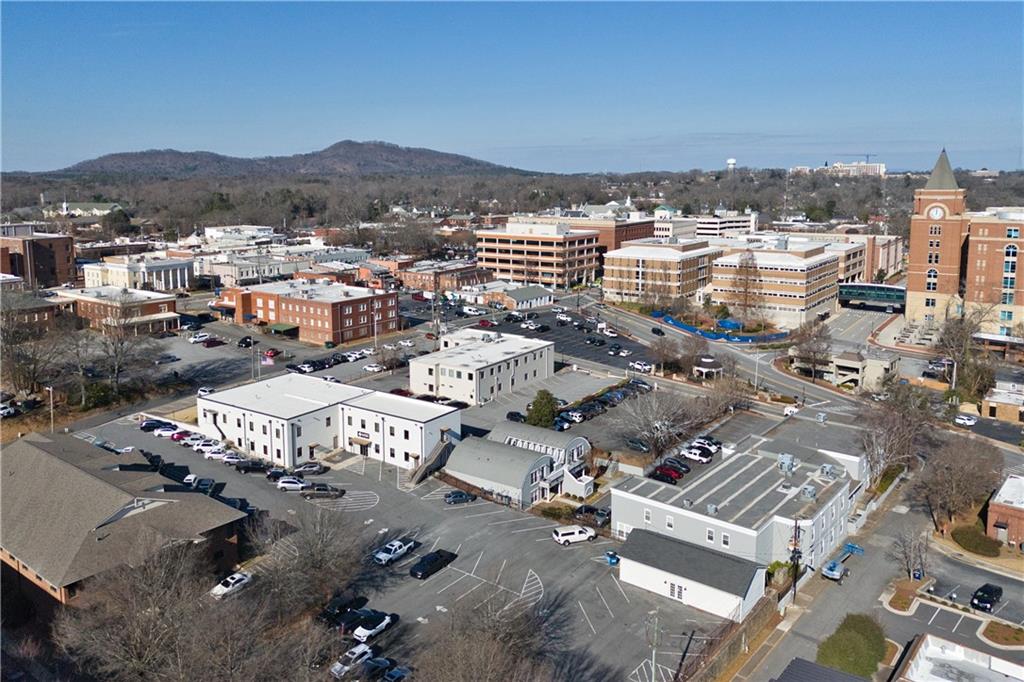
(310, 469)
(165, 359)
(348, 621)
(599, 516)
(590, 340)
(561, 323)
(662, 477)
(641, 385)
(986, 597)
(322, 491)
(431, 563)
(245, 342)
(457, 404)
(517, 417)
(339, 358)
(277, 473)
(657, 332)
(599, 342)
(531, 316)
(542, 328)
(153, 424)
(338, 606)
(250, 465)
(292, 367)
(375, 668)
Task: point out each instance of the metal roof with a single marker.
(705, 566)
(802, 670)
(492, 461)
(534, 434)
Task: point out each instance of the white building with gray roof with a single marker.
(525, 464)
(477, 366)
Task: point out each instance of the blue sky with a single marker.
(565, 88)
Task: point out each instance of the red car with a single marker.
(486, 323)
(271, 353)
(181, 435)
(419, 297)
(431, 337)
(212, 343)
(675, 474)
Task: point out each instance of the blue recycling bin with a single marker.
(612, 557)
(918, 574)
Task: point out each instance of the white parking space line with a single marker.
(528, 530)
(519, 520)
(933, 616)
(958, 623)
(473, 516)
(469, 591)
(587, 617)
(477, 564)
(452, 507)
(946, 596)
(1000, 608)
(604, 601)
(434, 546)
(458, 548)
(501, 570)
(461, 577)
(618, 585)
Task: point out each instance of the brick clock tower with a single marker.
(936, 267)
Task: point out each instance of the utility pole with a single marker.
(653, 638)
(795, 555)
(49, 389)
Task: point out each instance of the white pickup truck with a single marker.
(393, 551)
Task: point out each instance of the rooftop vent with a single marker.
(712, 510)
(687, 503)
(808, 492)
(829, 471)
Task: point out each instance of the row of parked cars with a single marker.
(674, 467)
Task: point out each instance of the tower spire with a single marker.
(942, 175)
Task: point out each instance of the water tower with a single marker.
(730, 164)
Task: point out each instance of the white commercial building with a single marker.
(477, 366)
(295, 418)
(142, 271)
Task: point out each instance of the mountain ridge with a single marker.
(347, 157)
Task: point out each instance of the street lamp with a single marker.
(49, 389)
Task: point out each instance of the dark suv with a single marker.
(250, 465)
(986, 597)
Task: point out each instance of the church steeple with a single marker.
(942, 175)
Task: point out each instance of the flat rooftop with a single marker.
(324, 292)
(749, 489)
(663, 252)
(933, 659)
(286, 396)
(768, 257)
(400, 406)
(112, 293)
(480, 353)
(1011, 493)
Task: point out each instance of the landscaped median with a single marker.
(1003, 635)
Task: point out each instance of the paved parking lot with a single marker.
(957, 582)
(506, 558)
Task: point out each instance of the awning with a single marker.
(358, 441)
(279, 327)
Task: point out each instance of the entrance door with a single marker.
(364, 450)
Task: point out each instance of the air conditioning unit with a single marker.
(712, 510)
(687, 503)
(808, 492)
(786, 463)
(830, 471)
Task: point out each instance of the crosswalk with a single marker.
(649, 671)
(351, 501)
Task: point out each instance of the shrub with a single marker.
(857, 646)
(558, 513)
(974, 540)
(98, 394)
(888, 476)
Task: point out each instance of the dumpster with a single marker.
(612, 557)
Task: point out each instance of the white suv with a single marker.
(641, 366)
(566, 535)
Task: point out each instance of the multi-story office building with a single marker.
(444, 275)
(477, 366)
(725, 223)
(41, 259)
(114, 308)
(673, 268)
(787, 288)
(882, 253)
(551, 255)
(611, 231)
(141, 272)
(856, 169)
(963, 260)
(316, 312)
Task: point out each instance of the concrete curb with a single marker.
(962, 557)
(1002, 647)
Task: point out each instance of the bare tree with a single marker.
(121, 346)
(28, 344)
(813, 345)
(974, 374)
(748, 286)
(78, 349)
(665, 352)
(690, 350)
(959, 475)
(660, 418)
(910, 551)
(891, 428)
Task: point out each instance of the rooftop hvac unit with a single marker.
(808, 492)
(712, 510)
(787, 463)
(687, 503)
(830, 471)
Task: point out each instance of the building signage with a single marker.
(363, 434)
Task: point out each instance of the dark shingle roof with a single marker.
(942, 175)
(69, 513)
(705, 566)
(802, 670)
(527, 293)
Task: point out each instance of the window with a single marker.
(1005, 315)
(1013, 233)
(430, 371)
(1010, 251)
(725, 539)
(298, 431)
(935, 230)
(327, 422)
(932, 277)
(670, 523)
(362, 423)
(350, 420)
(376, 427)
(1007, 298)
(1004, 331)
(933, 258)
(264, 429)
(647, 515)
(407, 434)
(1009, 282)
(391, 430)
(929, 303)
(1010, 266)
(391, 453)
(711, 535)
(277, 433)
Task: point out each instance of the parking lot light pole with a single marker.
(49, 389)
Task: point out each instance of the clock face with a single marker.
(936, 212)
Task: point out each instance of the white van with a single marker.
(470, 310)
(790, 410)
(566, 535)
